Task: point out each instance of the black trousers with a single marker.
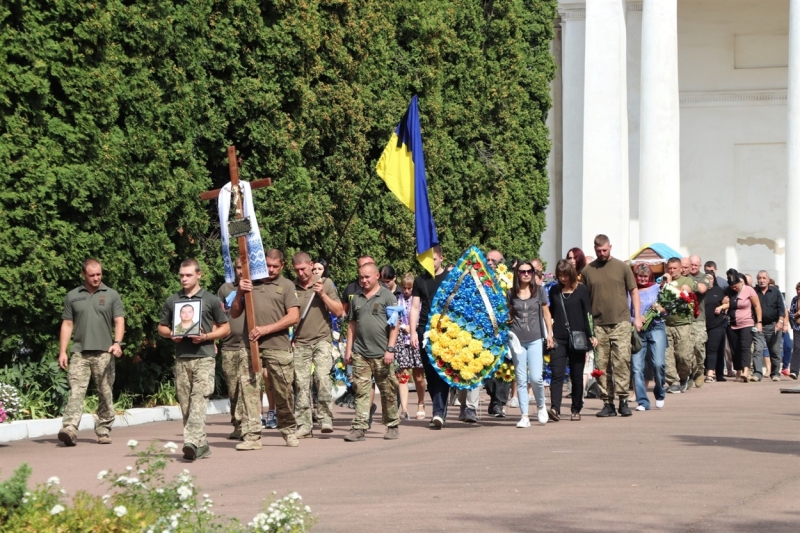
(437, 387)
(715, 349)
(742, 347)
(558, 363)
(794, 365)
(498, 392)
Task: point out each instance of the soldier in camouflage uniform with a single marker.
(236, 365)
(318, 298)
(699, 332)
(370, 349)
(610, 281)
(91, 311)
(276, 309)
(194, 361)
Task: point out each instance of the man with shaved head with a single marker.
(370, 349)
(699, 332)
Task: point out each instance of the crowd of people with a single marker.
(600, 320)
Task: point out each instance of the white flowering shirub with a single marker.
(285, 514)
(149, 502)
(11, 402)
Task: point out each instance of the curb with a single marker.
(31, 429)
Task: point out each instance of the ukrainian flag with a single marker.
(402, 167)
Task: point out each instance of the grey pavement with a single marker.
(725, 458)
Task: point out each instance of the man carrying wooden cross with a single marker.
(276, 309)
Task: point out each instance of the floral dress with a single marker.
(407, 356)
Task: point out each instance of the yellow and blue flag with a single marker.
(402, 167)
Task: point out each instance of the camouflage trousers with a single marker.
(364, 370)
(280, 366)
(699, 339)
(320, 354)
(680, 353)
(244, 391)
(613, 354)
(100, 367)
(194, 383)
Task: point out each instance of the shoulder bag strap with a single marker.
(564, 310)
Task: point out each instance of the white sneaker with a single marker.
(542, 415)
(524, 422)
(640, 408)
(659, 404)
(514, 402)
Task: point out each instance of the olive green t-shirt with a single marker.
(369, 316)
(211, 313)
(92, 317)
(701, 277)
(272, 300)
(235, 340)
(675, 320)
(609, 283)
(316, 326)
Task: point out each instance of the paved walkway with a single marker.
(725, 457)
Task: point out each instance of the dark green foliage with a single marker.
(115, 115)
(12, 491)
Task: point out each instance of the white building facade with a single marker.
(678, 121)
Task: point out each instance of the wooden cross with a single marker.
(233, 169)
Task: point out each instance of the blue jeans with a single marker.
(529, 366)
(654, 346)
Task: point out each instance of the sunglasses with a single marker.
(526, 272)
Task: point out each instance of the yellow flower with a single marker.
(501, 268)
(475, 346)
(435, 320)
(467, 374)
(475, 366)
(456, 363)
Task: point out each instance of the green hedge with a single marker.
(116, 115)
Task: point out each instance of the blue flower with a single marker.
(461, 322)
(496, 350)
(471, 326)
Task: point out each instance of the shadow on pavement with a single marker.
(783, 447)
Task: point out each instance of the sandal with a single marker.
(553, 415)
(576, 417)
(710, 379)
(421, 411)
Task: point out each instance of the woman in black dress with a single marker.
(569, 301)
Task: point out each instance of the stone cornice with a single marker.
(579, 13)
(733, 98)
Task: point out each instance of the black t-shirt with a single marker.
(577, 312)
(425, 288)
(714, 297)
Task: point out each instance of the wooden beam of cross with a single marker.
(249, 307)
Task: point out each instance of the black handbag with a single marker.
(578, 341)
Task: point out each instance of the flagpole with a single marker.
(352, 213)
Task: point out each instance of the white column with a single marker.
(573, 44)
(793, 151)
(605, 128)
(659, 154)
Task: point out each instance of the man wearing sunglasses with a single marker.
(498, 391)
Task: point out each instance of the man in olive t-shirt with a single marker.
(370, 349)
(194, 361)
(610, 281)
(312, 344)
(234, 357)
(680, 347)
(90, 313)
(276, 309)
(699, 332)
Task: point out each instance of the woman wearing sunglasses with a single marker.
(527, 302)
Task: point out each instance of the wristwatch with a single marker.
(390, 349)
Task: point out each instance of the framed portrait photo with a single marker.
(186, 318)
